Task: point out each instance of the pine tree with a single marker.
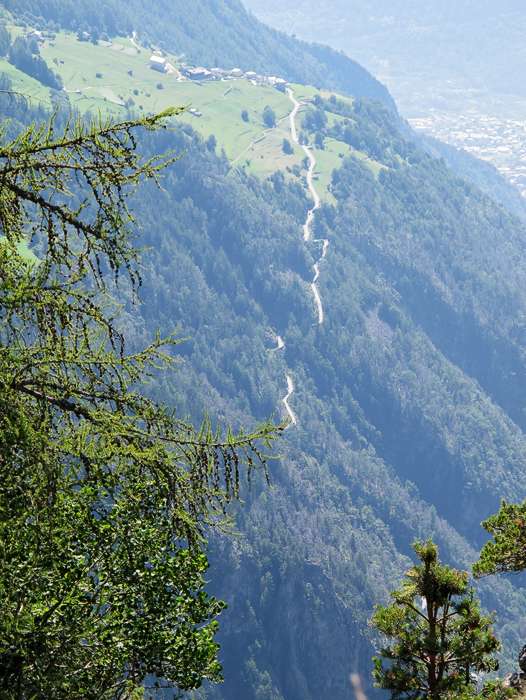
(269, 117)
(506, 553)
(286, 147)
(436, 636)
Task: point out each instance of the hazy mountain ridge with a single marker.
(418, 37)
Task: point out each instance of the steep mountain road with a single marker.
(285, 401)
(307, 236)
(280, 345)
(314, 286)
(307, 226)
(134, 41)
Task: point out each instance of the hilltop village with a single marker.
(160, 63)
(199, 74)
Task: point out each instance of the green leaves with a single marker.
(507, 551)
(91, 587)
(105, 495)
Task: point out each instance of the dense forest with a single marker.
(411, 419)
(408, 427)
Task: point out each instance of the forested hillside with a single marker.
(409, 411)
(480, 173)
(410, 414)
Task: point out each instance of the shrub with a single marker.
(287, 147)
(269, 117)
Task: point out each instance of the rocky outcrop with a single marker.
(517, 680)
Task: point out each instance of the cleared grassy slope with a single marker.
(110, 78)
(212, 32)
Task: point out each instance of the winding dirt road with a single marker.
(307, 236)
(280, 345)
(307, 226)
(285, 401)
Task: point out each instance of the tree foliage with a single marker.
(506, 552)
(104, 494)
(22, 55)
(269, 117)
(286, 147)
(437, 636)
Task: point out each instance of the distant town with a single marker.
(499, 141)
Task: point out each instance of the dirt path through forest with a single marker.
(307, 236)
(307, 226)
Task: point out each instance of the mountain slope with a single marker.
(411, 421)
(216, 33)
(454, 68)
(482, 174)
(395, 439)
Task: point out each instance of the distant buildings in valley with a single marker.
(498, 140)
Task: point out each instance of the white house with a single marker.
(35, 34)
(198, 73)
(158, 63)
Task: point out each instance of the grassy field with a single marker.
(109, 78)
(328, 160)
(265, 155)
(34, 91)
(308, 92)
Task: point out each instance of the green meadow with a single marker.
(110, 78)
